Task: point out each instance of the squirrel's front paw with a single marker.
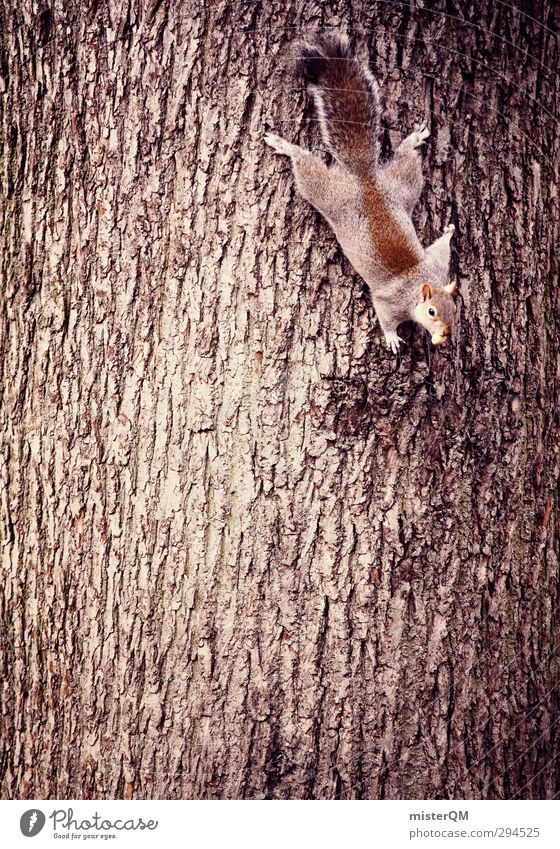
(279, 144)
(449, 230)
(393, 340)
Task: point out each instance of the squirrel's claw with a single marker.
(393, 340)
(278, 144)
(419, 135)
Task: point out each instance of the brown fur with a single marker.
(391, 244)
(369, 205)
(350, 123)
(348, 100)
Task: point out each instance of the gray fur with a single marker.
(371, 218)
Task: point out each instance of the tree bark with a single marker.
(246, 551)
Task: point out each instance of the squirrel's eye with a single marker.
(431, 311)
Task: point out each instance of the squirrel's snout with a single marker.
(440, 338)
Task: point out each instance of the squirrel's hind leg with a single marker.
(280, 145)
(416, 138)
(404, 171)
(313, 179)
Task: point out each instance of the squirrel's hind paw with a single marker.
(419, 136)
(278, 144)
(393, 340)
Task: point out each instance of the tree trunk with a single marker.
(246, 551)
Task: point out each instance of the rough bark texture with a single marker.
(246, 552)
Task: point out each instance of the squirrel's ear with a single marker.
(451, 289)
(426, 291)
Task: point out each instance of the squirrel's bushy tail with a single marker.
(346, 98)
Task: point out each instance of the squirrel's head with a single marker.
(436, 310)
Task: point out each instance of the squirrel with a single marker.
(367, 203)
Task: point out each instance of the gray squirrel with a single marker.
(367, 203)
